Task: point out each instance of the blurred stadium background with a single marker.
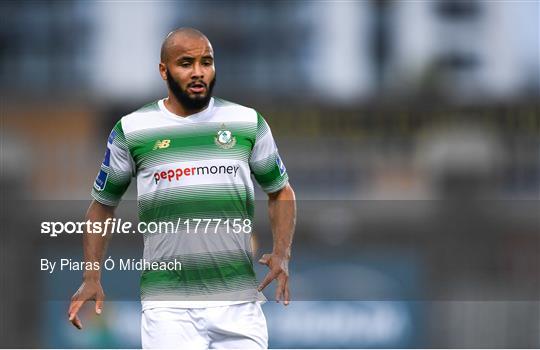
(410, 130)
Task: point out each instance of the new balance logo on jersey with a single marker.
(162, 144)
(176, 174)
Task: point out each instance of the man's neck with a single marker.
(174, 106)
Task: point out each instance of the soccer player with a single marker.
(192, 155)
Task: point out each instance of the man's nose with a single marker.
(197, 71)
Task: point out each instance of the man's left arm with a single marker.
(282, 213)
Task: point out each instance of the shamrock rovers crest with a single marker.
(224, 138)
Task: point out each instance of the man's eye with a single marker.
(185, 64)
(207, 63)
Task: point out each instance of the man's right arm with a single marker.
(94, 246)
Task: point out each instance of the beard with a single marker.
(190, 103)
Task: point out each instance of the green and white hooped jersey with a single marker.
(194, 168)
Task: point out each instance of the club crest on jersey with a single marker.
(224, 138)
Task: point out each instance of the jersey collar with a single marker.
(197, 116)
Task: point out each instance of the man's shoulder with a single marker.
(143, 111)
(149, 107)
(234, 110)
(140, 117)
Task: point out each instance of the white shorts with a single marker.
(239, 326)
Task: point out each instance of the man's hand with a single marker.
(89, 290)
(94, 247)
(279, 269)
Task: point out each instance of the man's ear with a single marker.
(163, 71)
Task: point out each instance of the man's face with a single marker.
(190, 72)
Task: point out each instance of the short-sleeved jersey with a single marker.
(193, 168)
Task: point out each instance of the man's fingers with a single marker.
(87, 291)
(72, 313)
(279, 272)
(264, 259)
(99, 306)
(74, 308)
(266, 281)
(279, 289)
(279, 293)
(100, 297)
(76, 322)
(287, 294)
(76, 304)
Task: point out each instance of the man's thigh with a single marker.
(241, 326)
(173, 328)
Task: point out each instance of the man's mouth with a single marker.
(197, 88)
